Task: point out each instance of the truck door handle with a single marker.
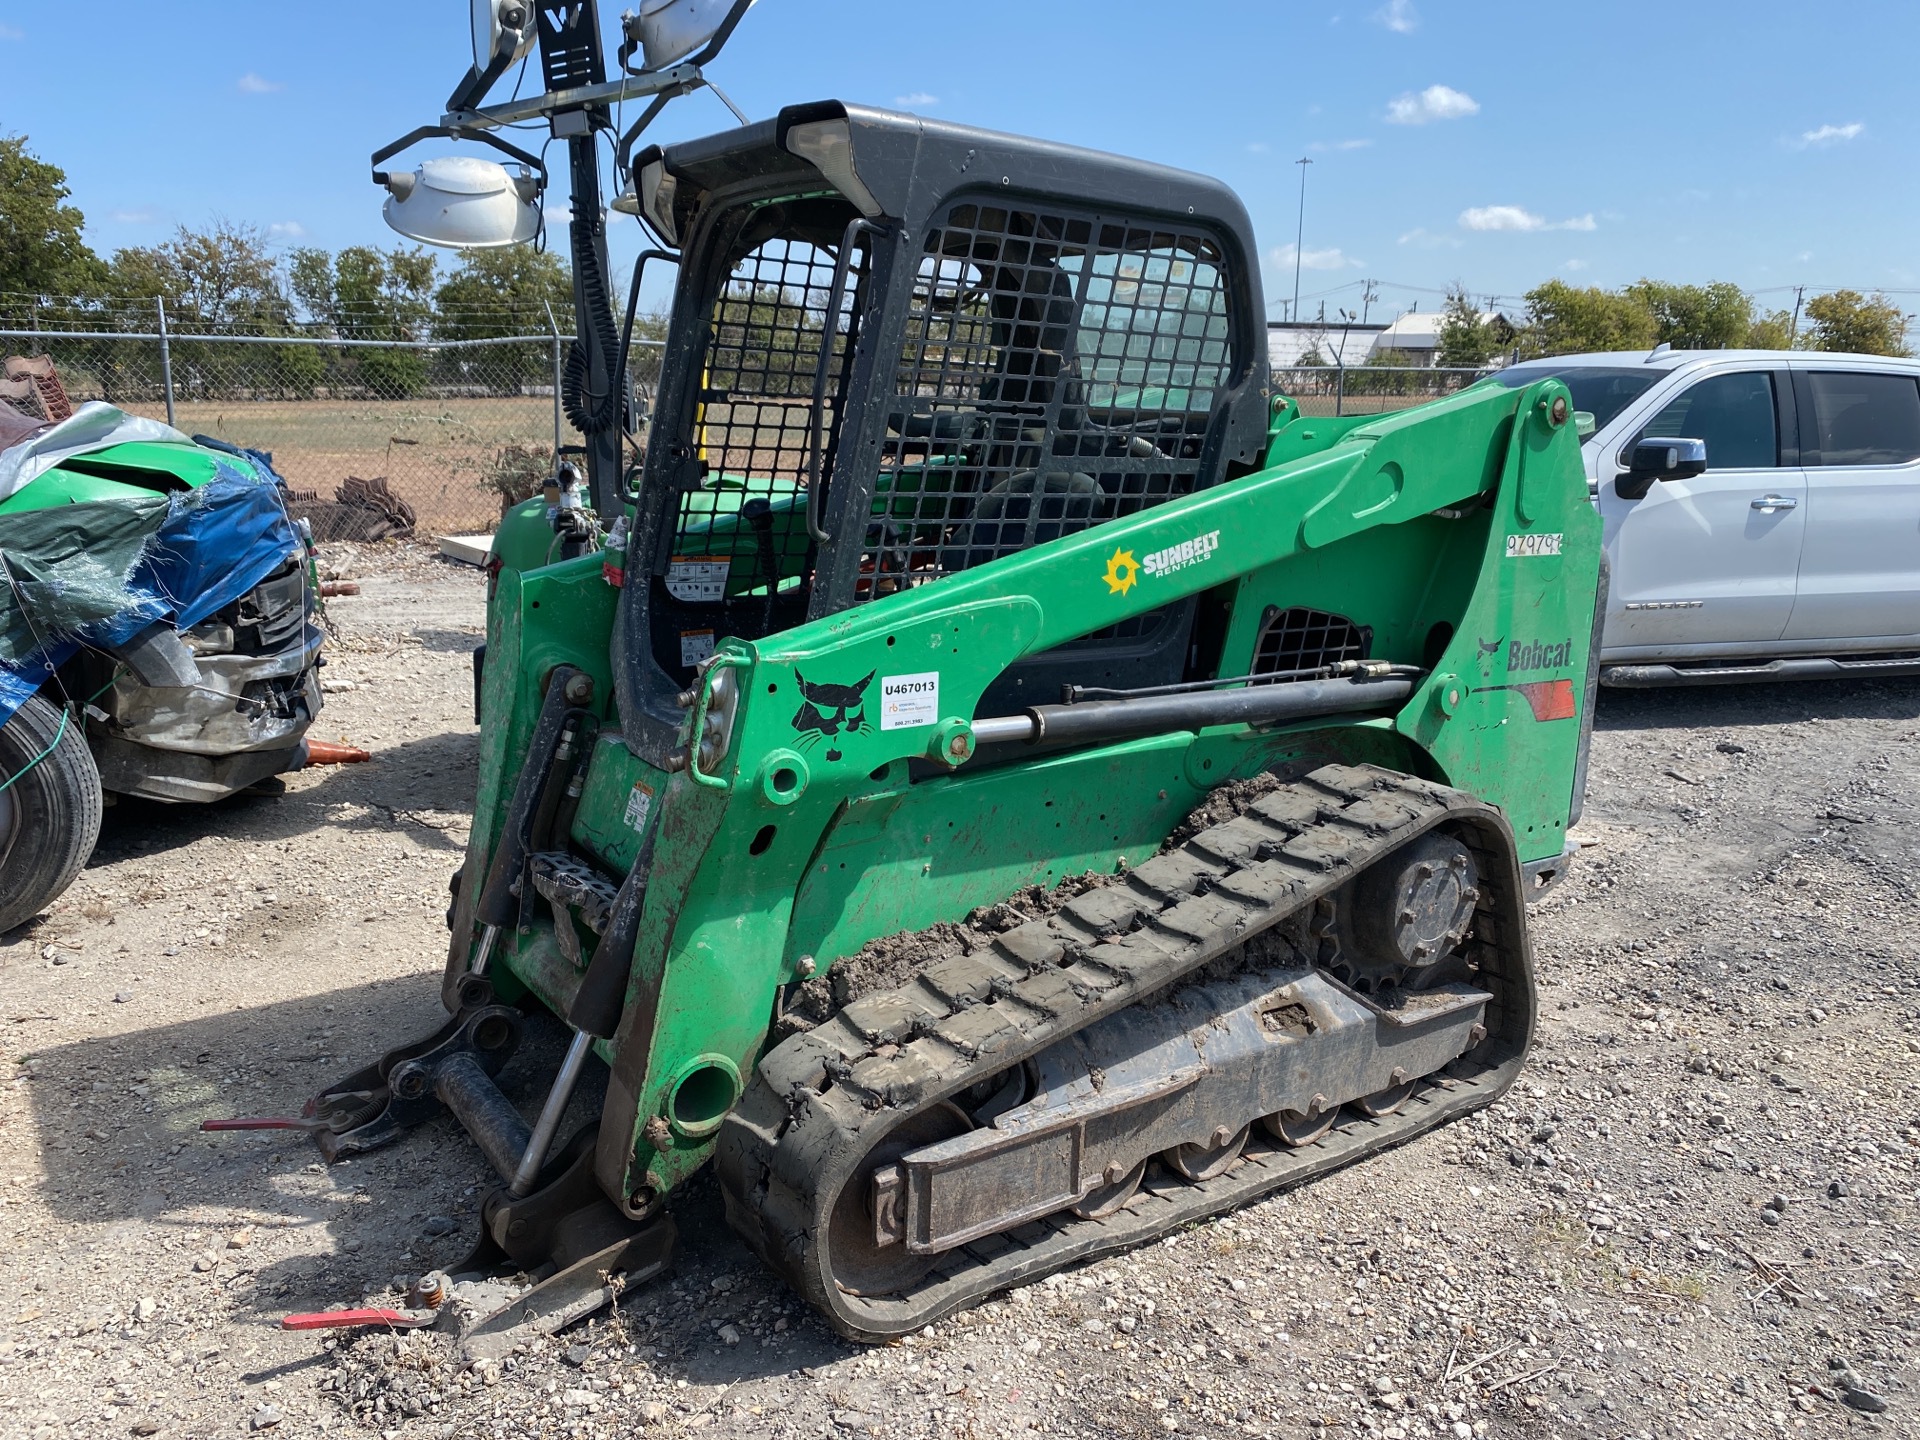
(1774, 502)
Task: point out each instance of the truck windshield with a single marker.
(1601, 391)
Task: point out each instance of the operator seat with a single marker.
(1005, 519)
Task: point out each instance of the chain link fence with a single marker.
(381, 438)
(375, 438)
(1368, 389)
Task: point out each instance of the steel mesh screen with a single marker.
(752, 428)
(1303, 639)
(1058, 371)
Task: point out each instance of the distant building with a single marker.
(1291, 344)
(1414, 338)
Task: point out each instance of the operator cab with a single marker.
(902, 349)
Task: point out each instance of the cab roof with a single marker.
(909, 164)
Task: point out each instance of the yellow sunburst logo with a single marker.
(1122, 571)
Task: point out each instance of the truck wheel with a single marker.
(49, 816)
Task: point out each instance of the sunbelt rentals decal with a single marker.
(1124, 571)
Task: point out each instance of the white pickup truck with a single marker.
(1761, 509)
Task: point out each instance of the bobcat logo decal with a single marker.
(831, 710)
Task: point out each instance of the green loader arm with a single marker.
(839, 797)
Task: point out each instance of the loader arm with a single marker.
(853, 813)
(706, 972)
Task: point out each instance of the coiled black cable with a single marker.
(590, 413)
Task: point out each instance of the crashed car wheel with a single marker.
(49, 815)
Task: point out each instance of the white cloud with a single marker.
(1330, 259)
(1340, 144)
(286, 230)
(1427, 240)
(1574, 265)
(1513, 217)
(916, 100)
(12, 32)
(1436, 102)
(1258, 147)
(1398, 16)
(252, 84)
(1829, 135)
(132, 217)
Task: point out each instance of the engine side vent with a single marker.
(1304, 639)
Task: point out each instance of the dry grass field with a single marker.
(431, 450)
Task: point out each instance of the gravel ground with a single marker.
(1696, 1215)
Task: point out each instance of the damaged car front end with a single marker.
(157, 632)
(200, 713)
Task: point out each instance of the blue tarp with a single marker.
(208, 548)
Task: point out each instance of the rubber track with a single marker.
(823, 1100)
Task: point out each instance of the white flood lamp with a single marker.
(464, 202)
(502, 32)
(668, 30)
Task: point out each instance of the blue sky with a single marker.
(1492, 143)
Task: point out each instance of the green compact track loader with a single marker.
(1011, 784)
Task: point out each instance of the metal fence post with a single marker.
(554, 326)
(1340, 384)
(166, 356)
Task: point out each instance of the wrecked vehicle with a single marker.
(157, 626)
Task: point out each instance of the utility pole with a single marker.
(1368, 294)
(1793, 330)
(1299, 233)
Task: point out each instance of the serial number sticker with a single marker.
(908, 700)
(1520, 547)
(695, 646)
(639, 806)
(698, 580)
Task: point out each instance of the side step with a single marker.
(1810, 667)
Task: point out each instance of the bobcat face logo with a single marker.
(1491, 648)
(831, 710)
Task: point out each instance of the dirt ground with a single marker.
(1696, 1216)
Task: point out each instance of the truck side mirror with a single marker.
(1660, 459)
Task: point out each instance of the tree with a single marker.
(1772, 331)
(1861, 324)
(42, 251)
(368, 294)
(1717, 316)
(502, 292)
(1563, 320)
(223, 278)
(1466, 340)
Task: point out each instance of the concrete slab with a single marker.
(470, 548)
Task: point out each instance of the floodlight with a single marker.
(503, 30)
(668, 30)
(464, 202)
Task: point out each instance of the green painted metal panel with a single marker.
(831, 821)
